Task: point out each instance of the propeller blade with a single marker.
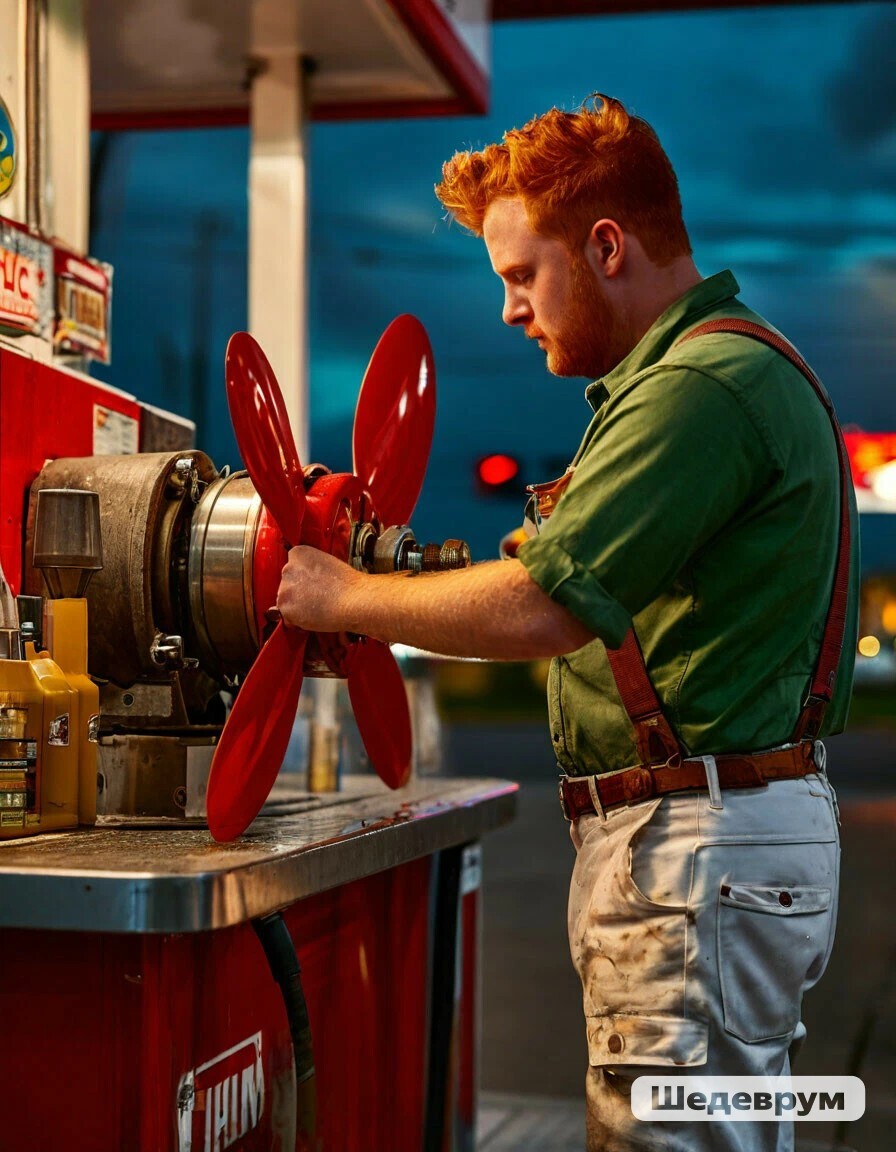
(380, 703)
(263, 434)
(253, 743)
(394, 419)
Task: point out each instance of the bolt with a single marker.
(167, 650)
(454, 554)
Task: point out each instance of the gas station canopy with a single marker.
(182, 62)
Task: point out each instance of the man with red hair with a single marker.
(693, 574)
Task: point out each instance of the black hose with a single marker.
(284, 964)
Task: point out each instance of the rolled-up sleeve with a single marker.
(674, 458)
(572, 584)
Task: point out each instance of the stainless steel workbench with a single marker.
(173, 879)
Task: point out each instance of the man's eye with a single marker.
(524, 278)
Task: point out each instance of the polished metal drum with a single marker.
(221, 559)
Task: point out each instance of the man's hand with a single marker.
(316, 591)
(493, 610)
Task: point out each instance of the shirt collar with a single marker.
(664, 331)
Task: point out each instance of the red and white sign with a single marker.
(222, 1100)
(26, 281)
(83, 305)
(872, 461)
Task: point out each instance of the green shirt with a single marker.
(704, 509)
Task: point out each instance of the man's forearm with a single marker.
(493, 611)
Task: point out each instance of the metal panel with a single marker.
(47, 412)
(181, 1043)
(167, 880)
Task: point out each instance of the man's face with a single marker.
(551, 293)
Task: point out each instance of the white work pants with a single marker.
(695, 932)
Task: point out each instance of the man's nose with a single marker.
(516, 307)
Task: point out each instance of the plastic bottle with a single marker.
(21, 724)
(67, 640)
(58, 749)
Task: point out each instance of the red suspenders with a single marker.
(656, 741)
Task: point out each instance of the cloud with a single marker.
(862, 98)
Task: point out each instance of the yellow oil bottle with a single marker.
(21, 726)
(58, 745)
(66, 623)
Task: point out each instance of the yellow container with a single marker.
(21, 725)
(58, 746)
(67, 640)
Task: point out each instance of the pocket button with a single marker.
(785, 899)
(615, 1043)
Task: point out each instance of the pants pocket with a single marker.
(619, 1039)
(772, 944)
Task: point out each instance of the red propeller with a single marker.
(391, 439)
(394, 419)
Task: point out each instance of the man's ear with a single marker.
(605, 248)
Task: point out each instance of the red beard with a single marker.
(592, 340)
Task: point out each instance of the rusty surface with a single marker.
(141, 515)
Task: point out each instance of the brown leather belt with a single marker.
(583, 795)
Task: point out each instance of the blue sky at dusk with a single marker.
(781, 124)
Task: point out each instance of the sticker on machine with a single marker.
(471, 869)
(222, 1100)
(58, 734)
(114, 434)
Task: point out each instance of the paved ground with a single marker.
(533, 1052)
(509, 1123)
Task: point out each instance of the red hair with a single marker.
(571, 169)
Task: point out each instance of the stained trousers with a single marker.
(695, 931)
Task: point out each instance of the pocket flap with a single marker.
(793, 901)
(646, 1040)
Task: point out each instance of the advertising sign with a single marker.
(26, 281)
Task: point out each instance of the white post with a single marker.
(66, 188)
(278, 294)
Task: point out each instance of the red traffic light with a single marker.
(497, 470)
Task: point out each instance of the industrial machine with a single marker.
(179, 605)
